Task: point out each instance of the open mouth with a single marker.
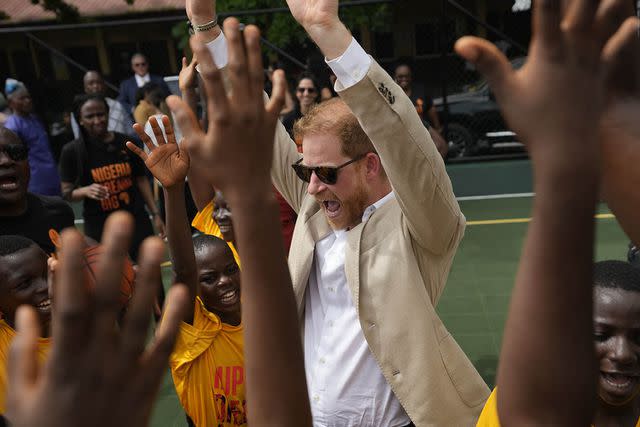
(44, 305)
(618, 382)
(331, 208)
(9, 183)
(229, 297)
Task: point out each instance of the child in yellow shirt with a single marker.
(207, 364)
(23, 280)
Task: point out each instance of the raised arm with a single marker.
(94, 375)
(409, 156)
(548, 103)
(285, 153)
(169, 164)
(620, 127)
(239, 142)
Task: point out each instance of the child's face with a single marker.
(219, 278)
(23, 280)
(616, 316)
(222, 216)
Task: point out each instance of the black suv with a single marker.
(474, 122)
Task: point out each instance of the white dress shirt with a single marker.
(346, 386)
(141, 81)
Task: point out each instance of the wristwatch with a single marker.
(196, 28)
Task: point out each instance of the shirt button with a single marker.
(316, 398)
(330, 323)
(330, 289)
(322, 361)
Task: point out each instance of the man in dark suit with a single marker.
(141, 76)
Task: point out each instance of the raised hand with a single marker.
(561, 83)
(167, 162)
(620, 128)
(94, 375)
(200, 11)
(188, 77)
(314, 13)
(229, 153)
(320, 20)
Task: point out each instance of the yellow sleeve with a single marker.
(489, 414)
(203, 221)
(193, 340)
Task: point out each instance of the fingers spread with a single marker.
(254, 61)
(71, 310)
(580, 16)
(275, 104)
(138, 151)
(238, 74)
(157, 132)
(139, 315)
(144, 137)
(155, 358)
(547, 15)
(116, 238)
(621, 57)
(217, 103)
(489, 61)
(23, 360)
(610, 16)
(168, 130)
(185, 118)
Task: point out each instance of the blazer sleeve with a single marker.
(292, 188)
(410, 159)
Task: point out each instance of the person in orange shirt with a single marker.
(23, 280)
(207, 363)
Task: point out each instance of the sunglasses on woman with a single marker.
(16, 152)
(326, 174)
(306, 89)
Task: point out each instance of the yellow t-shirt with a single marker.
(207, 366)
(203, 222)
(7, 333)
(489, 414)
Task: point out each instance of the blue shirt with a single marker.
(44, 173)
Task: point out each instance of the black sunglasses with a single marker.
(16, 152)
(326, 174)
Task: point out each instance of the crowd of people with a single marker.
(327, 229)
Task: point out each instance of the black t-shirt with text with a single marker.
(42, 214)
(109, 164)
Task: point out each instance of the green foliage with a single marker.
(3, 16)
(281, 29)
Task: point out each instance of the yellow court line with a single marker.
(523, 220)
(482, 222)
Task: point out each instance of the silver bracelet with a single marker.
(196, 28)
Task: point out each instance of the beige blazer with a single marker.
(397, 262)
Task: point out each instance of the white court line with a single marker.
(496, 196)
(460, 199)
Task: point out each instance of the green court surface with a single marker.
(475, 301)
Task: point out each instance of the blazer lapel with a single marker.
(315, 229)
(352, 264)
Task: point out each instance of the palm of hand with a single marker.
(200, 8)
(533, 92)
(313, 12)
(215, 149)
(168, 164)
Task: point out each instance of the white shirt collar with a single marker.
(142, 80)
(371, 209)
